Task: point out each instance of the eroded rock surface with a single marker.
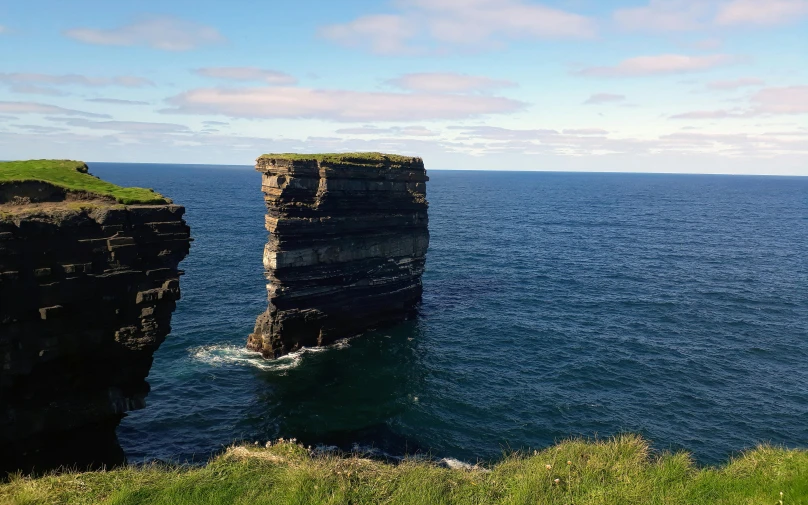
(87, 289)
(346, 250)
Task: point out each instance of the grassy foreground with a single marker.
(73, 176)
(619, 471)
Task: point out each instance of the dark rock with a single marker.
(86, 296)
(346, 249)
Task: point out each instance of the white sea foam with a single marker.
(233, 355)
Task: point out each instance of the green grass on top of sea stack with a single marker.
(73, 176)
(620, 471)
(349, 158)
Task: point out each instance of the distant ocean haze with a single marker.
(555, 305)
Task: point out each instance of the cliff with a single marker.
(87, 288)
(346, 250)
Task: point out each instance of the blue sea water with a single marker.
(555, 305)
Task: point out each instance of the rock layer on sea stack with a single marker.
(87, 288)
(347, 246)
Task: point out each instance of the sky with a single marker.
(694, 86)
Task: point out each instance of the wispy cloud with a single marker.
(735, 83)
(42, 108)
(706, 114)
(33, 89)
(448, 82)
(599, 98)
(164, 33)
(499, 133)
(3, 29)
(759, 12)
(247, 74)
(767, 101)
(661, 65)
(404, 131)
(382, 33)
(659, 16)
(440, 25)
(337, 105)
(125, 126)
(664, 15)
(585, 131)
(40, 129)
(781, 100)
(128, 81)
(116, 101)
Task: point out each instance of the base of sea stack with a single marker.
(346, 250)
(280, 332)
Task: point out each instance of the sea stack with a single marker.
(87, 288)
(348, 235)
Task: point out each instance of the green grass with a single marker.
(346, 158)
(73, 176)
(619, 471)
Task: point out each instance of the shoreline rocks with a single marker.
(346, 250)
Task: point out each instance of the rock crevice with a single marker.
(348, 236)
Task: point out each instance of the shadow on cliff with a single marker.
(345, 396)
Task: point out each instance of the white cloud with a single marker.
(116, 101)
(448, 82)
(498, 133)
(660, 16)
(3, 29)
(735, 83)
(127, 81)
(337, 105)
(384, 34)
(661, 65)
(247, 74)
(405, 131)
(125, 126)
(40, 129)
(479, 147)
(164, 33)
(767, 101)
(664, 15)
(761, 12)
(444, 24)
(33, 89)
(599, 98)
(585, 131)
(705, 114)
(781, 100)
(42, 108)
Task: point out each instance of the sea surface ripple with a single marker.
(555, 305)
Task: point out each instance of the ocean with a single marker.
(555, 305)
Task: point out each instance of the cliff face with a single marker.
(87, 288)
(346, 250)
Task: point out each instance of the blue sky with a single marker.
(711, 86)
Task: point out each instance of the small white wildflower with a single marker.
(557, 481)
